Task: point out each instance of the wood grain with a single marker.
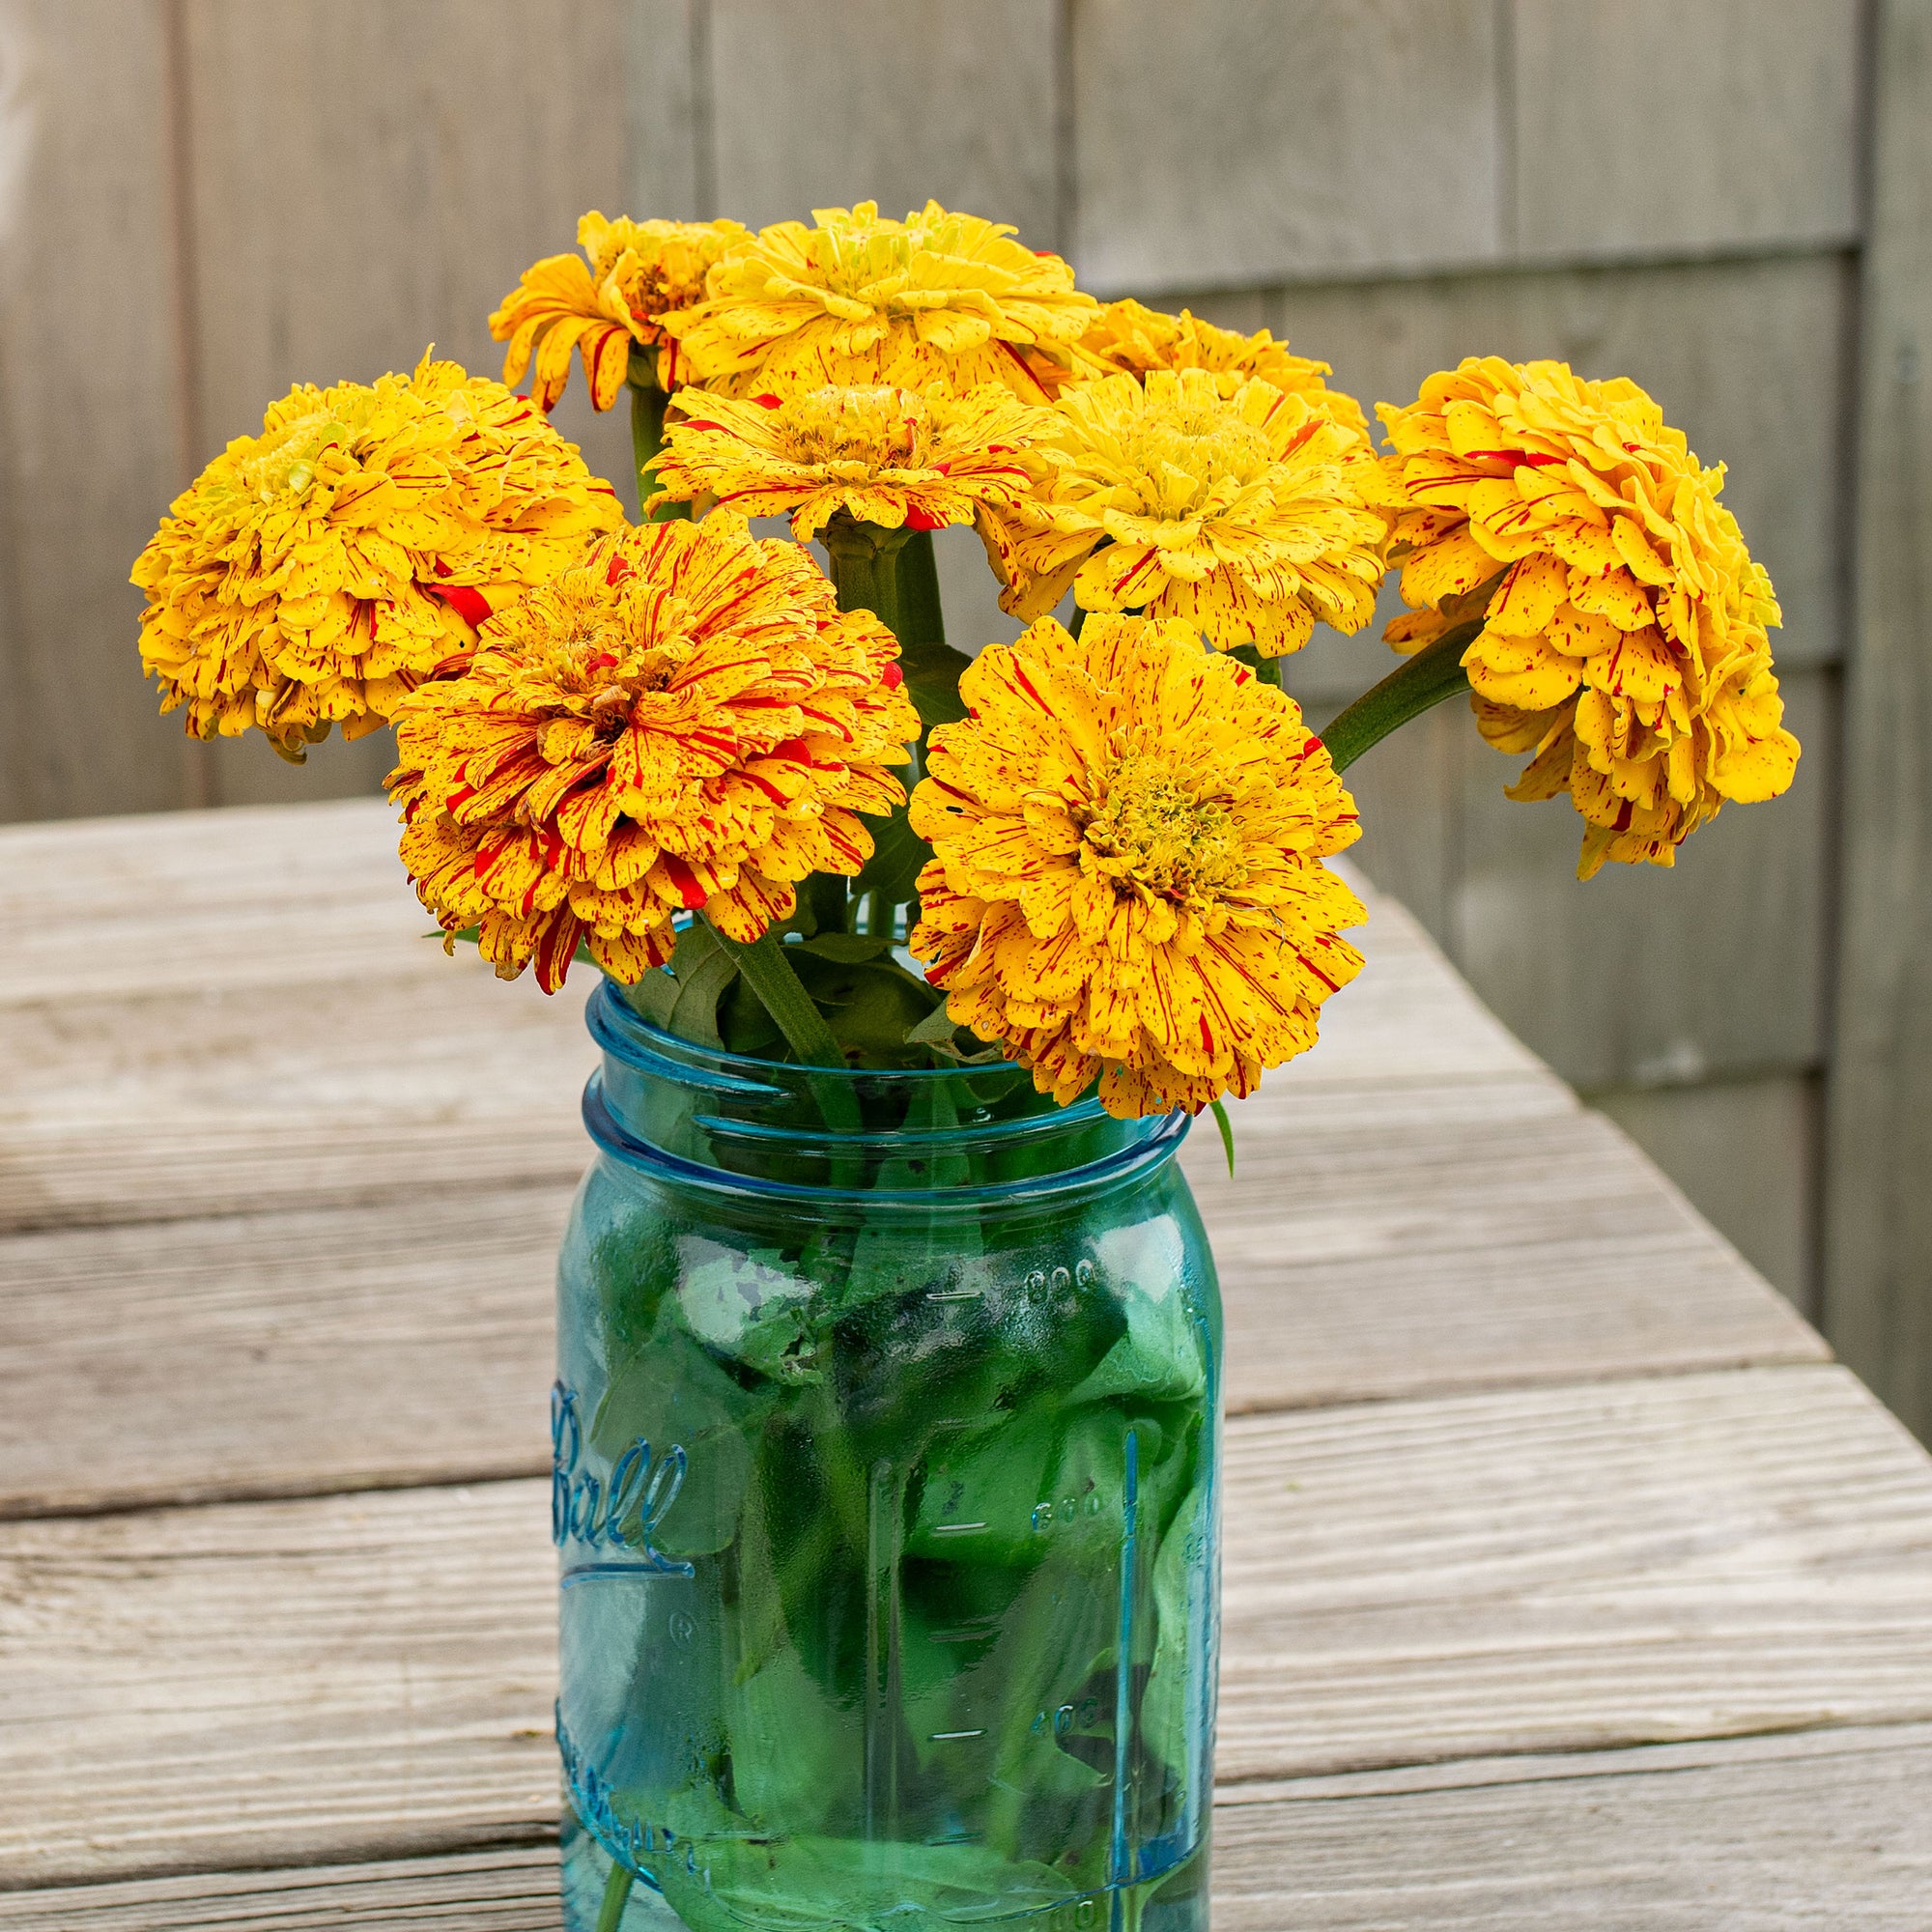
(1642, 126)
(1774, 1834)
(1758, 1835)
(1309, 138)
(1363, 1254)
(1878, 1278)
(90, 448)
(368, 1677)
(824, 105)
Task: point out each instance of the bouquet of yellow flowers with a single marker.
(937, 1486)
(1105, 843)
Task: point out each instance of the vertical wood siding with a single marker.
(203, 200)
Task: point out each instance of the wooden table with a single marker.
(1568, 1584)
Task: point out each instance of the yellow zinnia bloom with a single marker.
(1135, 340)
(313, 575)
(1625, 642)
(1127, 879)
(637, 273)
(1248, 514)
(883, 456)
(685, 722)
(860, 300)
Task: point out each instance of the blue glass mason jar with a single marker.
(886, 1439)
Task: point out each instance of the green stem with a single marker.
(1430, 676)
(648, 403)
(769, 975)
(616, 1895)
(919, 592)
(865, 569)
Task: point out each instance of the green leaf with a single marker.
(703, 973)
(821, 904)
(868, 1004)
(846, 948)
(1227, 1126)
(932, 673)
(936, 1029)
(898, 855)
(655, 995)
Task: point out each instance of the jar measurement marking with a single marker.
(952, 1736)
(956, 1528)
(955, 1293)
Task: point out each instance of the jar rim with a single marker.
(749, 1119)
(1155, 1146)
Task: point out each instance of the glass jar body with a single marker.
(886, 1503)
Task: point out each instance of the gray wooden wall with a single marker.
(203, 200)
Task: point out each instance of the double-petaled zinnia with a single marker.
(1625, 638)
(1136, 340)
(684, 723)
(883, 456)
(863, 299)
(1247, 513)
(637, 273)
(313, 575)
(1126, 882)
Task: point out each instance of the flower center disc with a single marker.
(1151, 832)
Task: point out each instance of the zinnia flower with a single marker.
(882, 456)
(1127, 879)
(637, 273)
(861, 300)
(1135, 340)
(313, 575)
(683, 722)
(1248, 514)
(1624, 642)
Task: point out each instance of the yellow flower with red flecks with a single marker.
(1248, 514)
(1135, 340)
(684, 722)
(1624, 642)
(884, 456)
(311, 575)
(1127, 883)
(860, 300)
(637, 273)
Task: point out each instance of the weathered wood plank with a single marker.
(891, 100)
(1641, 126)
(1774, 1834)
(1309, 138)
(90, 445)
(352, 1678)
(1745, 1155)
(1571, 1569)
(1877, 1270)
(329, 1349)
(454, 143)
(343, 1347)
(1757, 1836)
